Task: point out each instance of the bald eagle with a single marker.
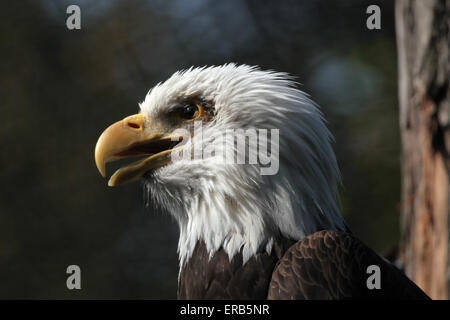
(246, 234)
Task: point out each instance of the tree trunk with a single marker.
(423, 56)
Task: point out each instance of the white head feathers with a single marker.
(232, 205)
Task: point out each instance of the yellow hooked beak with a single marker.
(133, 136)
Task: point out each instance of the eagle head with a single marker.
(236, 154)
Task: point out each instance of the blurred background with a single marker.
(61, 88)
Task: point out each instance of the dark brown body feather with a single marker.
(325, 265)
(218, 278)
(333, 265)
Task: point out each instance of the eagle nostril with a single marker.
(133, 125)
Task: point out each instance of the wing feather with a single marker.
(333, 265)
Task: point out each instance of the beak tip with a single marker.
(100, 159)
(111, 183)
(101, 167)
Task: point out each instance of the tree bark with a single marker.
(422, 28)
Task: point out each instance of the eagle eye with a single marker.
(191, 112)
